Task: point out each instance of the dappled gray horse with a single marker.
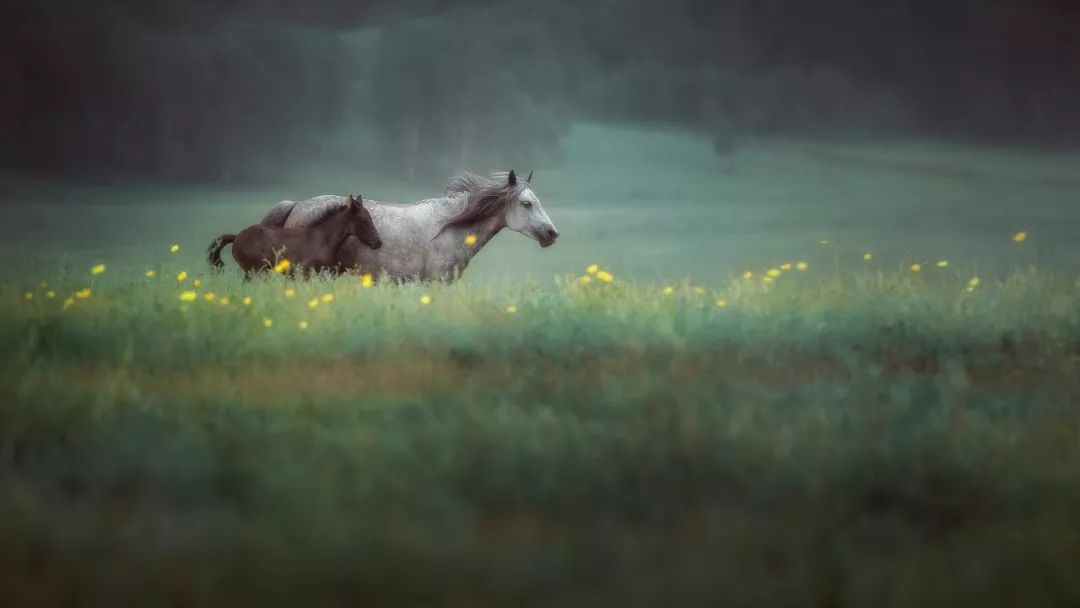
(436, 238)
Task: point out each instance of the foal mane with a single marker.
(485, 197)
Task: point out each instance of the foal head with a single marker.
(359, 223)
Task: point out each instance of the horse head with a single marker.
(526, 215)
(361, 223)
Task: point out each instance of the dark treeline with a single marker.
(215, 90)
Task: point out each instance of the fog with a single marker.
(685, 136)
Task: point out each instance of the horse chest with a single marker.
(447, 259)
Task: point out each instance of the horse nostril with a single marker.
(552, 233)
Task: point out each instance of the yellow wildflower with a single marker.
(283, 266)
(223, 300)
(585, 279)
(699, 290)
(197, 283)
(916, 267)
(425, 299)
(785, 266)
(973, 283)
(773, 272)
(592, 269)
(604, 276)
(246, 301)
(313, 302)
(182, 276)
(801, 266)
(151, 274)
(50, 294)
(824, 241)
(83, 294)
(748, 275)
(470, 240)
(367, 280)
(188, 296)
(327, 298)
(209, 296)
(721, 303)
(767, 280)
(68, 303)
(668, 290)
(867, 256)
(268, 322)
(289, 292)
(28, 296)
(943, 264)
(175, 247)
(303, 325)
(97, 269)
(511, 309)
(1020, 237)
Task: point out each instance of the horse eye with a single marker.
(526, 204)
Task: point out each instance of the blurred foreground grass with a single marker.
(820, 438)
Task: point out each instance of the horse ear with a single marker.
(512, 178)
(529, 179)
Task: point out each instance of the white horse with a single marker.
(436, 238)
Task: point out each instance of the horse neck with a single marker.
(331, 232)
(484, 231)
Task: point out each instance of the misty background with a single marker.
(683, 136)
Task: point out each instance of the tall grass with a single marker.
(837, 437)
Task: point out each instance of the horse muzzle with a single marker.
(547, 237)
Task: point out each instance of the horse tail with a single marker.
(278, 214)
(213, 253)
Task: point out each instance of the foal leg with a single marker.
(251, 273)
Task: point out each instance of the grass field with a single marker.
(846, 432)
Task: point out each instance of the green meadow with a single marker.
(767, 404)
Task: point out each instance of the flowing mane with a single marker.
(485, 197)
